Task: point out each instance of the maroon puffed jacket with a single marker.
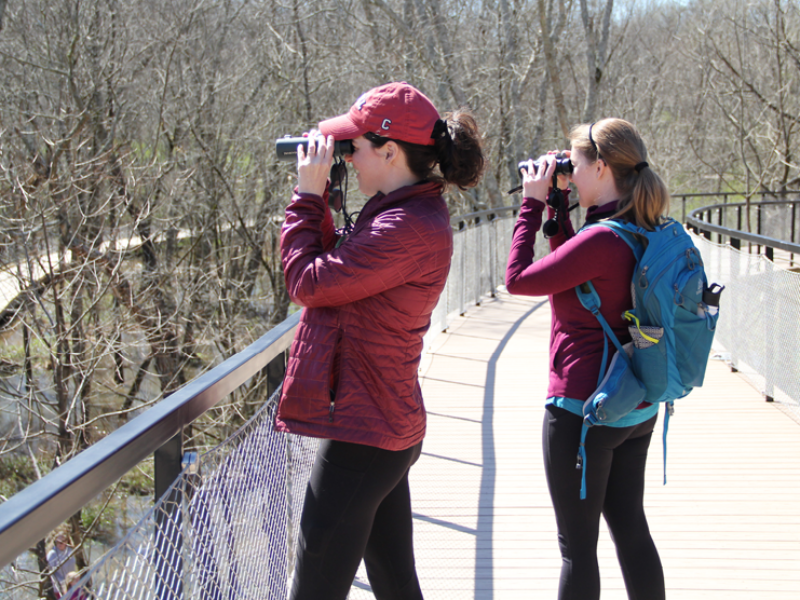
(352, 370)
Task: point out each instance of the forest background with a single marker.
(141, 199)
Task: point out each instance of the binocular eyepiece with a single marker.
(286, 147)
(563, 165)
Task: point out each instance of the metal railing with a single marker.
(775, 223)
(160, 560)
(729, 198)
(759, 326)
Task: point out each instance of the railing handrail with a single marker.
(31, 514)
(742, 194)
(695, 221)
(456, 221)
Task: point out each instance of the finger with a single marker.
(540, 168)
(324, 147)
(551, 167)
(312, 146)
(530, 168)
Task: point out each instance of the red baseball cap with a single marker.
(395, 110)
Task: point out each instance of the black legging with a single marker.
(357, 505)
(615, 464)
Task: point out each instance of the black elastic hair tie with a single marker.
(642, 165)
(440, 129)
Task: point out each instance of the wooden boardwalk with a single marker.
(727, 524)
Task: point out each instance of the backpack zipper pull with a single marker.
(643, 283)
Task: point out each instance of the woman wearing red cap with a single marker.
(351, 378)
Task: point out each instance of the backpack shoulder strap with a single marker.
(589, 297)
(634, 236)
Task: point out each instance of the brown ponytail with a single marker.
(457, 150)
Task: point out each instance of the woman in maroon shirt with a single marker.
(613, 181)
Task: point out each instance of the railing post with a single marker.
(476, 262)
(169, 531)
(758, 226)
(492, 225)
(794, 229)
(462, 285)
(276, 370)
(770, 314)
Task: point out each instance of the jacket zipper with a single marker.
(337, 349)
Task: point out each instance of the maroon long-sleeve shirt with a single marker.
(598, 255)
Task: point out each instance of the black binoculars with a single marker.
(286, 147)
(563, 165)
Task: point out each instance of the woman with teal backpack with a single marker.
(613, 180)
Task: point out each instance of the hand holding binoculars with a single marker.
(286, 147)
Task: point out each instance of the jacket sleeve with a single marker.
(574, 261)
(391, 251)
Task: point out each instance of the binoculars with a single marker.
(286, 147)
(563, 165)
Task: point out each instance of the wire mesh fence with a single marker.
(480, 252)
(225, 529)
(759, 325)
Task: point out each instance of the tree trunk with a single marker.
(551, 59)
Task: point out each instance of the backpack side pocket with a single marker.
(650, 359)
(694, 335)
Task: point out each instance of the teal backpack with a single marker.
(672, 325)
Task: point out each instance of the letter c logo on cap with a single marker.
(385, 124)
